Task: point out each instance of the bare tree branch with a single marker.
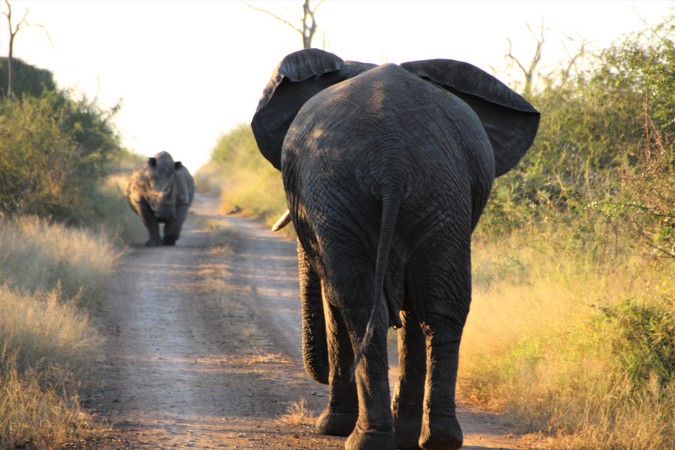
(13, 31)
(309, 24)
(530, 71)
(580, 53)
(280, 19)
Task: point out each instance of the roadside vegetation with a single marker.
(239, 174)
(572, 329)
(61, 219)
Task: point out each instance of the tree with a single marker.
(13, 31)
(605, 150)
(530, 70)
(54, 149)
(309, 25)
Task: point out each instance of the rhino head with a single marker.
(162, 192)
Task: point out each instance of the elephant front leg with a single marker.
(339, 417)
(409, 393)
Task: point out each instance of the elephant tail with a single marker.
(391, 204)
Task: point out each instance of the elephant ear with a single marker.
(510, 121)
(298, 77)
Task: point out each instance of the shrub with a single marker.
(249, 182)
(54, 149)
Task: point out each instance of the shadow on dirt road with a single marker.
(203, 349)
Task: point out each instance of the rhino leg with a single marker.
(173, 227)
(150, 222)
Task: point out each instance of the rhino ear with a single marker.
(177, 165)
(510, 121)
(152, 162)
(296, 79)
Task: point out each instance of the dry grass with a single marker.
(540, 345)
(221, 236)
(50, 276)
(119, 221)
(297, 414)
(37, 256)
(47, 348)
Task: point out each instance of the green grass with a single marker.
(575, 348)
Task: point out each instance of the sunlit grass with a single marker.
(258, 195)
(297, 414)
(255, 192)
(47, 347)
(116, 216)
(572, 348)
(51, 277)
(36, 256)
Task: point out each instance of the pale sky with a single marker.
(188, 71)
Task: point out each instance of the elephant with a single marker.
(161, 191)
(386, 170)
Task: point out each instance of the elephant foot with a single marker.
(335, 423)
(407, 430)
(441, 433)
(169, 240)
(152, 243)
(370, 440)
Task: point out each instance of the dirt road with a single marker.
(203, 349)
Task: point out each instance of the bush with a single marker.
(571, 346)
(604, 148)
(28, 80)
(249, 182)
(642, 337)
(54, 149)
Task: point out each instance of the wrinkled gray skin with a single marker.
(161, 191)
(386, 171)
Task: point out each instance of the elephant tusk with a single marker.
(284, 220)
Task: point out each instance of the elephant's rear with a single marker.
(389, 130)
(386, 173)
(387, 133)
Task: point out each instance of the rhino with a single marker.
(161, 191)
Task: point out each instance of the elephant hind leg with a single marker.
(409, 393)
(440, 291)
(440, 427)
(374, 429)
(339, 417)
(352, 298)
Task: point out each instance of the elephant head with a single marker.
(386, 171)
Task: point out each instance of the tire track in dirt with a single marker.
(203, 348)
